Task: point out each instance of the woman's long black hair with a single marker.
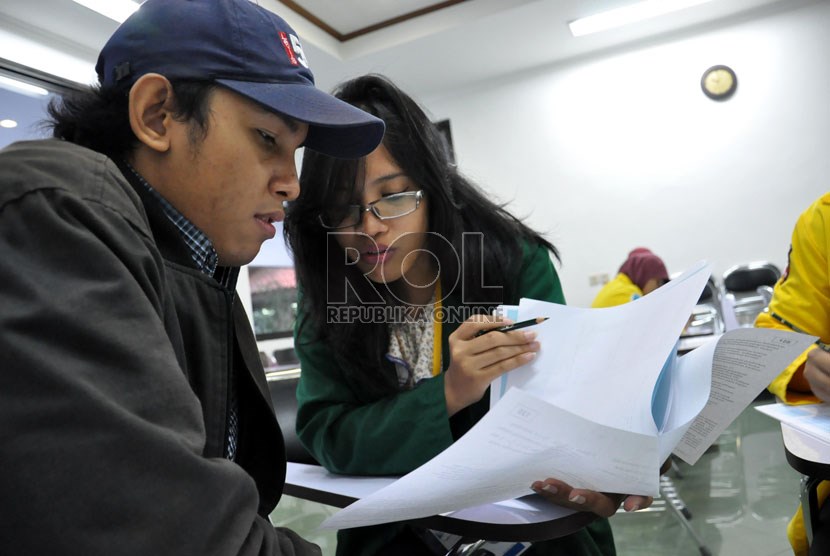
(456, 207)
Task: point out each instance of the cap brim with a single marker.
(336, 128)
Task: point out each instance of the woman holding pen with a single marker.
(402, 262)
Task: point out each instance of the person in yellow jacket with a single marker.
(641, 273)
(801, 302)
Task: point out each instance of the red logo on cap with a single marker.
(286, 44)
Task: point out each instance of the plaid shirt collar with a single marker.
(200, 247)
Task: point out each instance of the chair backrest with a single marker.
(265, 360)
(283, 388)
(765, 292)
(709, 293)
(730, 318)
(747, 277)
(706, 318)
(746, 295)
(286, 356)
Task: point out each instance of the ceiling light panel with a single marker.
(628, 14)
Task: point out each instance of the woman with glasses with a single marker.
(401, 262)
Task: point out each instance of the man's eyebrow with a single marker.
(291, 123)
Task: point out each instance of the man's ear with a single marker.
(151, 111)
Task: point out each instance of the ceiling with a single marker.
(427, 46)
(348, 19)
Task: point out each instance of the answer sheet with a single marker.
(582, 411)
(744, 362)
(603, 363)
(596, 373)
(515, 444)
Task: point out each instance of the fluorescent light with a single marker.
(21, 87)
(119, 10)
(627, 14)
(9, 124)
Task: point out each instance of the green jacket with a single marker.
(394, 435)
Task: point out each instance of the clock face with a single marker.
(719, 82)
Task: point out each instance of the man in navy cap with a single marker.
(134, 413)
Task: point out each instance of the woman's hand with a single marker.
(601, 503)
(476, 361)
(817, 373)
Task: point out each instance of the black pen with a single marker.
(514, 326)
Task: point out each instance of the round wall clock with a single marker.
(719, 82)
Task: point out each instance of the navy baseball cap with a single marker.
(245, 48)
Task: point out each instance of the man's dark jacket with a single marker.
(115, 356)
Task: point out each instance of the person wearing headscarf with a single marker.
(640, 274)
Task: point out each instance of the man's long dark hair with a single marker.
(98, 117)
(456, 207)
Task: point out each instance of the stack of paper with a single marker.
(806, 429)
(602, 406)
(812, 419)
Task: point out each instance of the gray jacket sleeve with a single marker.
(101, 436)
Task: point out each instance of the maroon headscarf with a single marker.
(642, 265)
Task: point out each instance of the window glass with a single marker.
(274, 297)
(22, 110)
(273, 289)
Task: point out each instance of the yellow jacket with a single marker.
(802, 295)
(802, 299)
(618, 291)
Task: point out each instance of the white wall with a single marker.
(624, 150)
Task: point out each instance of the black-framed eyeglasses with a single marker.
(385, 208)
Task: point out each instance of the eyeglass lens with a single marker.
(393, 206)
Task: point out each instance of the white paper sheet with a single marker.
(805, 446)
(812, 419)
(521, 446)
(499, 386)
(744, 362)
(624, 347)
(515, 511)
(589, 420)
(317, 478)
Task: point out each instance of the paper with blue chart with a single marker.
(602, 406)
